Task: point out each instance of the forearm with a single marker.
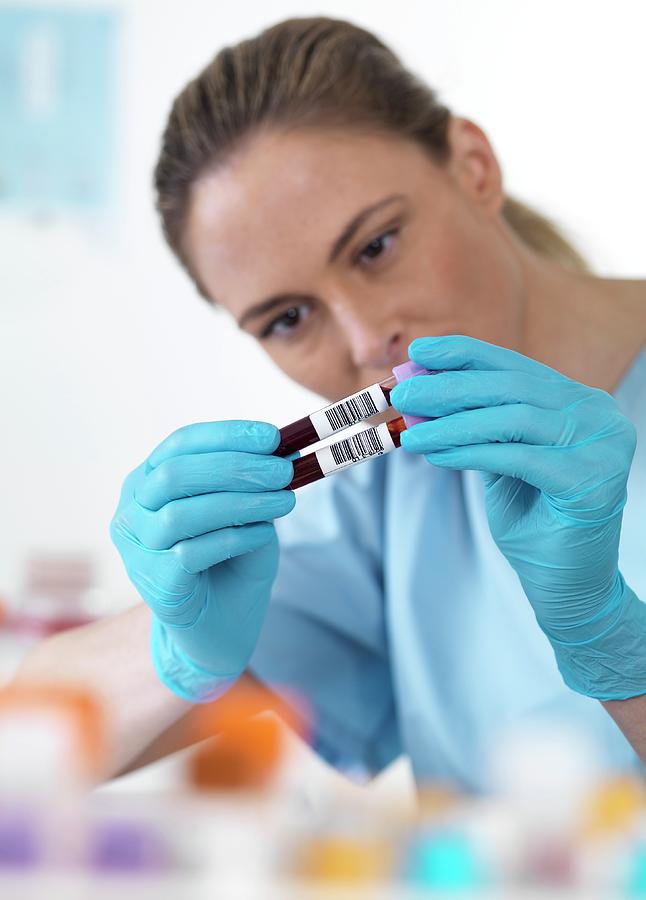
(111, 658)
(630, 716)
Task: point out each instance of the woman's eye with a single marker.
(286, 323)
(378, 246)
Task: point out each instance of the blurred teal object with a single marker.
(637, 881)
(443, 861)
(57, 105)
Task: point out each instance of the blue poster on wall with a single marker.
(57, 107)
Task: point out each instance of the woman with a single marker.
(318, 192)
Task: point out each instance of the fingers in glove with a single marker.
(458, 351)
(206, 550)
(208, 437)
(451, 392)
(518, 423)
(187, 518)
(203, 473)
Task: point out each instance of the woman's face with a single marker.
(336, 249)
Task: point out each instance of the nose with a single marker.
(374, 340)
(373, 344)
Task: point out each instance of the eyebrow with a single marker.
(341, 242)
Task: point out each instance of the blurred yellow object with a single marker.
(338, 859)
(78, 711)
(613, 807)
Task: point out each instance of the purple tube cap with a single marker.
(401, 373)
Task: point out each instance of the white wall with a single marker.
(105, 347)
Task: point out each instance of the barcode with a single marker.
(360, 446)
(350, 411)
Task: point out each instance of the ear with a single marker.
(473, 165)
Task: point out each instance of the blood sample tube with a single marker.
(365, 444)
(322, 424)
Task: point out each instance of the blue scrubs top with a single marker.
(405, 629)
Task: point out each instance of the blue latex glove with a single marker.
(193, 527)
(555, 457)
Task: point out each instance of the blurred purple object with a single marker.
(19, 844)
(122, 846)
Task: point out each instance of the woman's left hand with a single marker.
(555, 456)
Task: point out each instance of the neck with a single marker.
(588, 328)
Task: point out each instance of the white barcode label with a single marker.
(363, 445)
(349, 411)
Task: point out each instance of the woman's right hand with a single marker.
(194, 529)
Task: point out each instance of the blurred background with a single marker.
(105, 346)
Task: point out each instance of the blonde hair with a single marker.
(309, 71)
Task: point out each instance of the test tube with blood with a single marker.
(363, 445)
(325, 422)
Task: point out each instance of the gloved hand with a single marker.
(193, 527)
(555, 457)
